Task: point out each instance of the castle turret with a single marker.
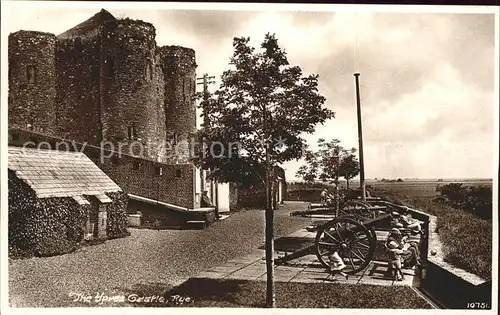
(130, 98)
(32, 81)
(78, 80)
(179, 69)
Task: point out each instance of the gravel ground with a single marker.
(151, 258)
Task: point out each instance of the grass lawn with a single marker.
(467, 239)
(241, 293)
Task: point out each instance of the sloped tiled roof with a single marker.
(52, 173)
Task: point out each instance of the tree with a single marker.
(255, 121)
(328, 163)
(349, 165)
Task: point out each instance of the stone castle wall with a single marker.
(78, 101)
(112, 84)
(32, 81)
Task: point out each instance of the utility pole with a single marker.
(205, 81)
(360, 138)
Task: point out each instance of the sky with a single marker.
(427, 79)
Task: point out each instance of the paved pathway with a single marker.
(305, 269)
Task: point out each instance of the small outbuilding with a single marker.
(59, 199)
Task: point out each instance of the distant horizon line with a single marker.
(407, 178)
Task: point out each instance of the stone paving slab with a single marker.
(283, 275)
(226, 270)
(211, 275)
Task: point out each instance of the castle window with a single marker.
(158, 170)
(175, 138)
(171, 63)
(184, 89)
(178, 173)
(132, 132)
(149, 70)
(31, 74)
(137, 166)
(110, 66)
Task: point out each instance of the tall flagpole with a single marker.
(360, 139)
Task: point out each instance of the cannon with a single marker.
(353, 239)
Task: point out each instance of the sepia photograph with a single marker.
(251, 156)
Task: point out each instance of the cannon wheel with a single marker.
(360, 219)
(358, 208)
(355, 247)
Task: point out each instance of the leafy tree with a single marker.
(349, 165)
(256, 120)
(330, 162)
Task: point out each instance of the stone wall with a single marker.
(453, 287)
(130, 97)
(168, 183)
(32, 80)
(179, 70)
(78, 101)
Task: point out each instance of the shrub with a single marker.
(117, 220)
(42, 227)
(53, 226)
(474, 199)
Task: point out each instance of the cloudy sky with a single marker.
(427, 79)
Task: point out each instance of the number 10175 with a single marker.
(478, 305)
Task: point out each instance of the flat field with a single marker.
(421, 188)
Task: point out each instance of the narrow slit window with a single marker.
(132, 132)
(158, 170)
(148, 74)
(31, 74)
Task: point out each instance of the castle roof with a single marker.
(52, 173)
(89, 26)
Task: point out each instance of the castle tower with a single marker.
(179, 69)
(130, 98)
(32, 81)
(78, 80)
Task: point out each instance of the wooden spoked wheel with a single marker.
(347, 236)
(358, 208)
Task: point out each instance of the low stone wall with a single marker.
(453, 287)
(160, 217)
